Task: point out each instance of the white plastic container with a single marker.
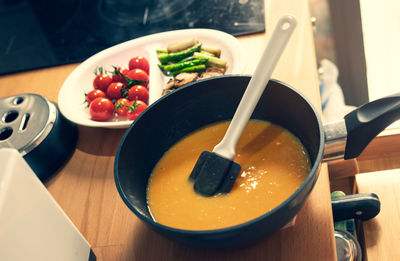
(32, 225)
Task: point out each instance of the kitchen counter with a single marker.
(86, 191)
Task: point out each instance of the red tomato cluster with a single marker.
(123, 93)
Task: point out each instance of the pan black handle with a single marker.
(367, 121)
(363, 206)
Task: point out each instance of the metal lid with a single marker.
(347, 247)
(25, 121)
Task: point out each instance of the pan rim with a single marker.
(312, 176)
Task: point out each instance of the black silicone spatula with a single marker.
(216, 171)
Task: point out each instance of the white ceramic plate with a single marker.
(71, 95)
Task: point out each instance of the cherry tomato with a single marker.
(101, 81)
(93, 94)
(138, 92)
(138, 74)
(121, 106)
(135, 109)
(114, 90)
(139, 62)
(101, 109)
(117, 74)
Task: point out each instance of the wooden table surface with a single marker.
(86, 191)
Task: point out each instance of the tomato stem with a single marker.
(85, 101)
(99, 70)
(132, 107)
(130, 82)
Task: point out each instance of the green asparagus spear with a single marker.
(212, 61)
(182, 45)
(207, 53)
(214, 50)
(181, 65)
(195, 68)
(165, 58)
(189, 58)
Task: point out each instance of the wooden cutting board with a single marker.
(381, 234)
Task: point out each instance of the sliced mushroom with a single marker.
(185, 78)
(212, 72)
(169, 87)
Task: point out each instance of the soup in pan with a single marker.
(274, 164)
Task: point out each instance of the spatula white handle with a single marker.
(256, 86)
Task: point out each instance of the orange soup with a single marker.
(274, 164)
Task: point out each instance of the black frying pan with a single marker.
(207, 101)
